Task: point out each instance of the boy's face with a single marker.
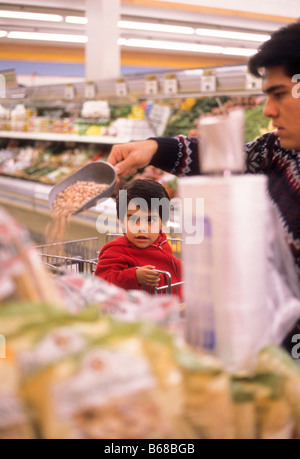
(142, 228)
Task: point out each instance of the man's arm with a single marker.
(178, 155)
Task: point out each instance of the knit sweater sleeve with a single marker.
(177, 155)
(180, 155)
(260, 153)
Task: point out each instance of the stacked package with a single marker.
(109, 369)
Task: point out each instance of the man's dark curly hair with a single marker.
(154, 194)
(282, 49)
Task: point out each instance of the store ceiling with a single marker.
(135, 12)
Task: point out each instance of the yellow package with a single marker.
(24, 324)
(208, 406)
(244, 409)
(161, 349)
(15, 420)
(107, 391)
(278, 361)
(273, 417)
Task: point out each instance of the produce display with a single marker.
(46, 162)
(185, 114)
(51, 162)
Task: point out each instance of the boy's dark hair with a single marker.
(154, 194)
(282, 49)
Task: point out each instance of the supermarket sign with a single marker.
(2, 347)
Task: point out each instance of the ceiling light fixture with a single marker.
(18, 35)
(156, 27)
(188, 47)
(31, 16)
(232, 35)
(238, 51)
(76, 19)
(132, 42)
(170, 45)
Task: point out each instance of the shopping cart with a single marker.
(78, 256)
(168, 288)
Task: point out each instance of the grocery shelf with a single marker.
(55, 137)
(28, 200)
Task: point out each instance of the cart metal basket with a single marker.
(78, 256)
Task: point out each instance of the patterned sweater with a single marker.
(179, 156)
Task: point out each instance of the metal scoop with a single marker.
(98, 172)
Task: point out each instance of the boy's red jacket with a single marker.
(119, 259)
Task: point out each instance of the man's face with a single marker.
(282, 107)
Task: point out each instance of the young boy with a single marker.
(129, 261)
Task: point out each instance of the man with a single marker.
(276, 154)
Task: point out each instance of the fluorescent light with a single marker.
(239, 51)
(156, 27)
(188, 47)
(48, 37)
(3, 33)
(170, 45)
(232, 35)
(76, 19)
(31, 16)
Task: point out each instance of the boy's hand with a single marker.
(147, 276)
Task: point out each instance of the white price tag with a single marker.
(208, 83)
(121, 89)
(151, 87)
(90, 91)
(170, 86)
(253, 82)
(69, 92)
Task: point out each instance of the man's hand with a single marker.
(129, 157)
(146, 276)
